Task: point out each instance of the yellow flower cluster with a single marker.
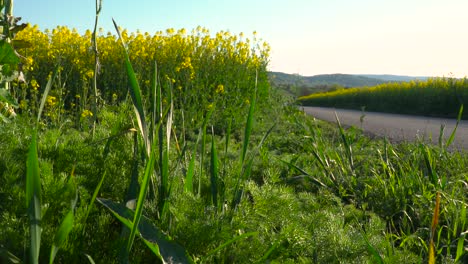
(86, 113)
(198, 64)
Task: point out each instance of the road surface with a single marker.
(396, 128)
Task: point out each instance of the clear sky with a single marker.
(308, 37)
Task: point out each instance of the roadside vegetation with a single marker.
(178, 151)
(439, 97)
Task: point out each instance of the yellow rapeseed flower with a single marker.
(220, 88)
(86, 113)
(34, 84)
(51, 100)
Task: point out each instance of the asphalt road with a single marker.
(396, 128)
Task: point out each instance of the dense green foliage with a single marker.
(194, 159)
(385, 195)
(440, 97)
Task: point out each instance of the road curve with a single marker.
(397, 128)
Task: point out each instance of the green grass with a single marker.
(278, 186)
(381, 207)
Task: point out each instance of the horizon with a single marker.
(410, 38)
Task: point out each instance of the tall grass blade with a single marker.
(304, 173)
(93, 198)
(267, 254)
(8, 257)
(214, 171)
(460, 249)
(191, 169)
(452, 136)
(90, 259)
(249, 124)
(161, 245)
(377, 258)
(135, 93)
(188, 186)
(154, 103)
(428, 160)
(44, 95)
(203, 143)
(65, 228)
(435, 219)
(134, 186)
(441, 136)
(33, 198)
(67, 223)
(229, 242)
(247, 131)
(33, 184)
(164, 186)
(226, 145)
(344, 138)
(141, 199)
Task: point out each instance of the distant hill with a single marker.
(297, 85)
(394, 78)
(345, 80)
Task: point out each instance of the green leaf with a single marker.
(214, 171)
(67, 223)
(188, 187)
(248, 125)
(452, 136)
(65, 228)
(7, 54)
(8, 257)
(227, 243)
(135, 93)
(141, 200)
(91, 202)
(6, 97)
(33, 198)
(169, 251)
(44, 95)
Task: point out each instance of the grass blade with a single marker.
(452, 136)
(90, 259)
(141, 199)
(65, 228)
(188, 187)
(33, 198)
(435, 219)
(428, 161)
(44, 95)
(202, 154)
(314, 180)
(91, 202)
(348, 149)
(8, 257)
(227, 243)
(67, 223)
(33, 184)
(135, 93)
(170, 251)
(249, 124)
(214, 171)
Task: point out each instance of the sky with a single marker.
(307, 37)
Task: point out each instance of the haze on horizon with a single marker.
(308, 37)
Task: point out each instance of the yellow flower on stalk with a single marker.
(51, 100)
(86, 113)
(220, 88)
(34, 84)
